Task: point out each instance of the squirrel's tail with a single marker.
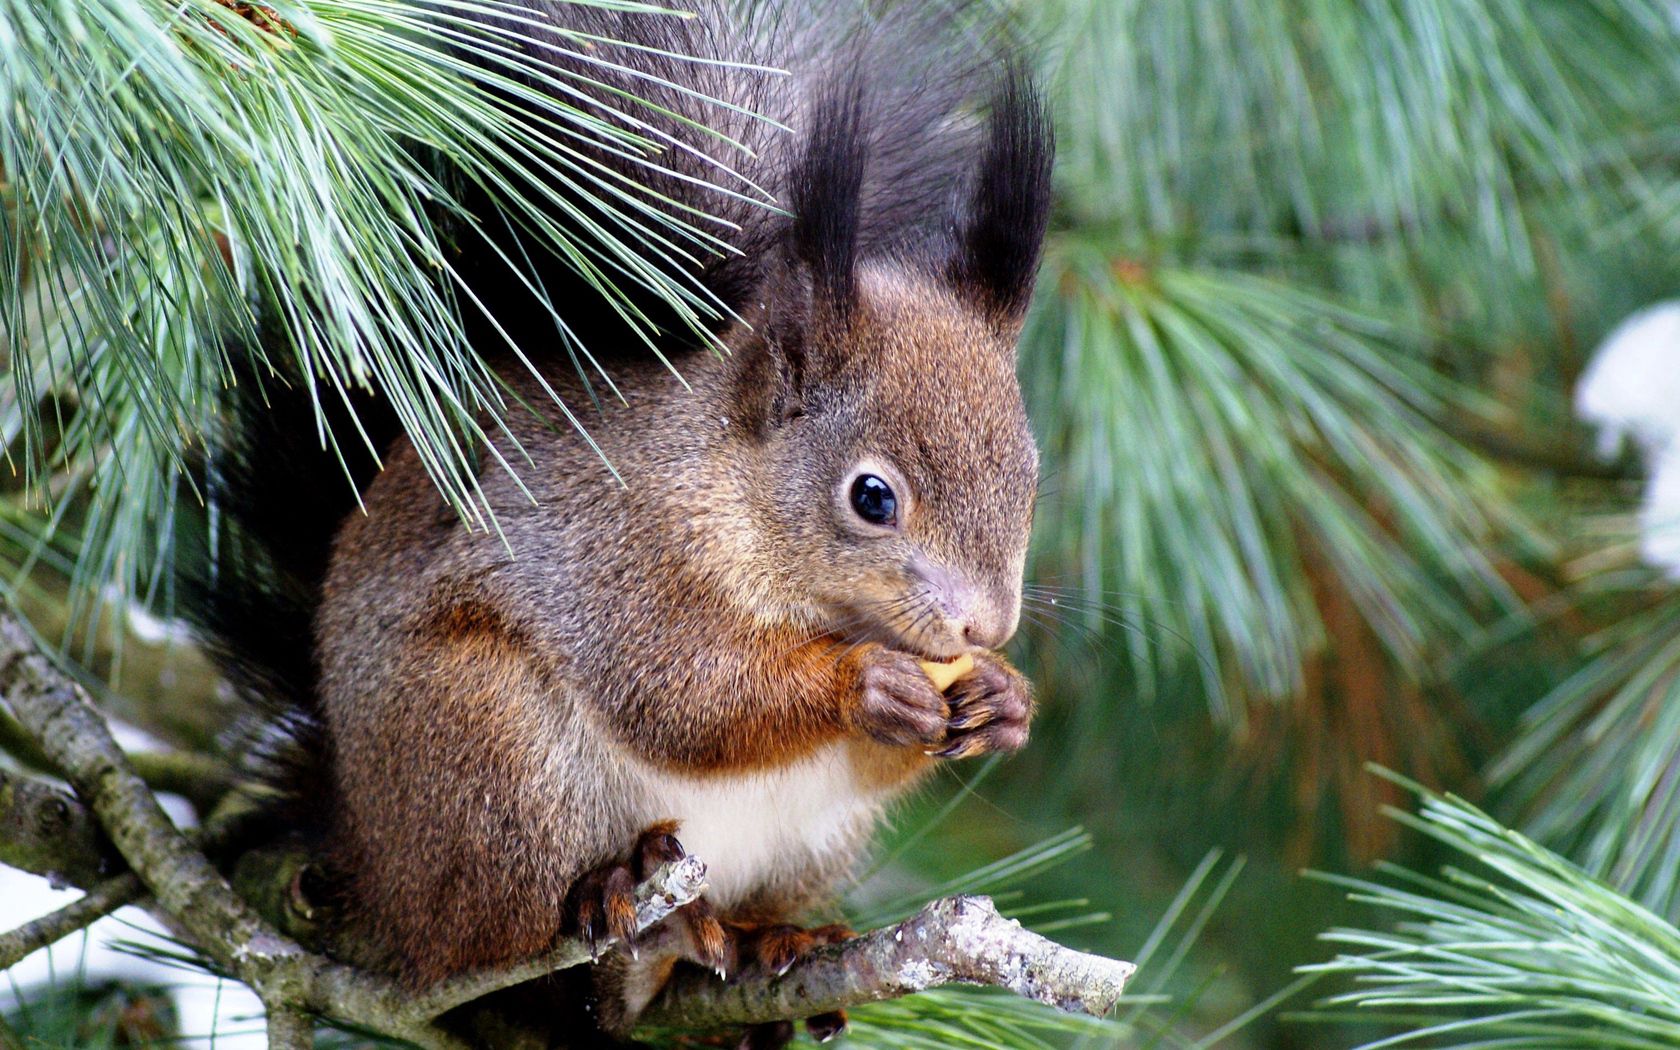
(738, 100)
(272, 498)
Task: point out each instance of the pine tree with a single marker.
(1321, 281)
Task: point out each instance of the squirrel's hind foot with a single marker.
(824, 1027)
(602, 903)
(703, 940)
(774, 948)
(656, 845)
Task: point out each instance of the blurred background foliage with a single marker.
(1322, 279)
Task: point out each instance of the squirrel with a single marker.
(704, 635)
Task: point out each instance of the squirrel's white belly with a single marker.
(761, 828)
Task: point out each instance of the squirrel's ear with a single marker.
(811, 295)
(1001, 231)
(825, 191)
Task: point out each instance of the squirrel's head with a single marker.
(899, 472)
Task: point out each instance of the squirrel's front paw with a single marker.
(990, 709)
(898, 704)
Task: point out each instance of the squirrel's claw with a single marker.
(708, 942)
(991, 708)
(603, 905)
(708, 945)
(825, 1027)
(777, 947)
(693, 930)
(968, 747)
(657, 845)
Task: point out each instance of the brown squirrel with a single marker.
(719, 643)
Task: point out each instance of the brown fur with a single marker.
(710, 615)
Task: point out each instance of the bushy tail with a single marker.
(734, 100)
(273, 496)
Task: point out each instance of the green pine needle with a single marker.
(1596, 769)
(1519, 947)
(1213, 431)
(146, 139)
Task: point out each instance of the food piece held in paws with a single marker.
(943, 674)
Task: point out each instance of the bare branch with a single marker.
(955, 940)
(16, 741)
(290, 1029)
(188, 891)
(76, 856)
(73, 736)
(201, 780)
(79, 914)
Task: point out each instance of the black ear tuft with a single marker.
(826, 189)
(1003, 225)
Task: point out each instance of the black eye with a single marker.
(874, 501)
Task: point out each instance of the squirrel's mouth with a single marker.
(926, 637)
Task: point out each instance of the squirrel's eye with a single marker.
(874, 501)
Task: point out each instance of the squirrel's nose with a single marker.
(983, 636)
(988, 618)
(987, 626)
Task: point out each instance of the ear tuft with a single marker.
(826, 190)
(1002, 232)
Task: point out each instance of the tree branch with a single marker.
(956, 940)
(47, 832)
(289, 1029)
(75, 739)
(961, 939)
(79, 914)
(666, 890)
(188, 891)
(200, 780)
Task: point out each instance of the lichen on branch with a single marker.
(957, 940)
